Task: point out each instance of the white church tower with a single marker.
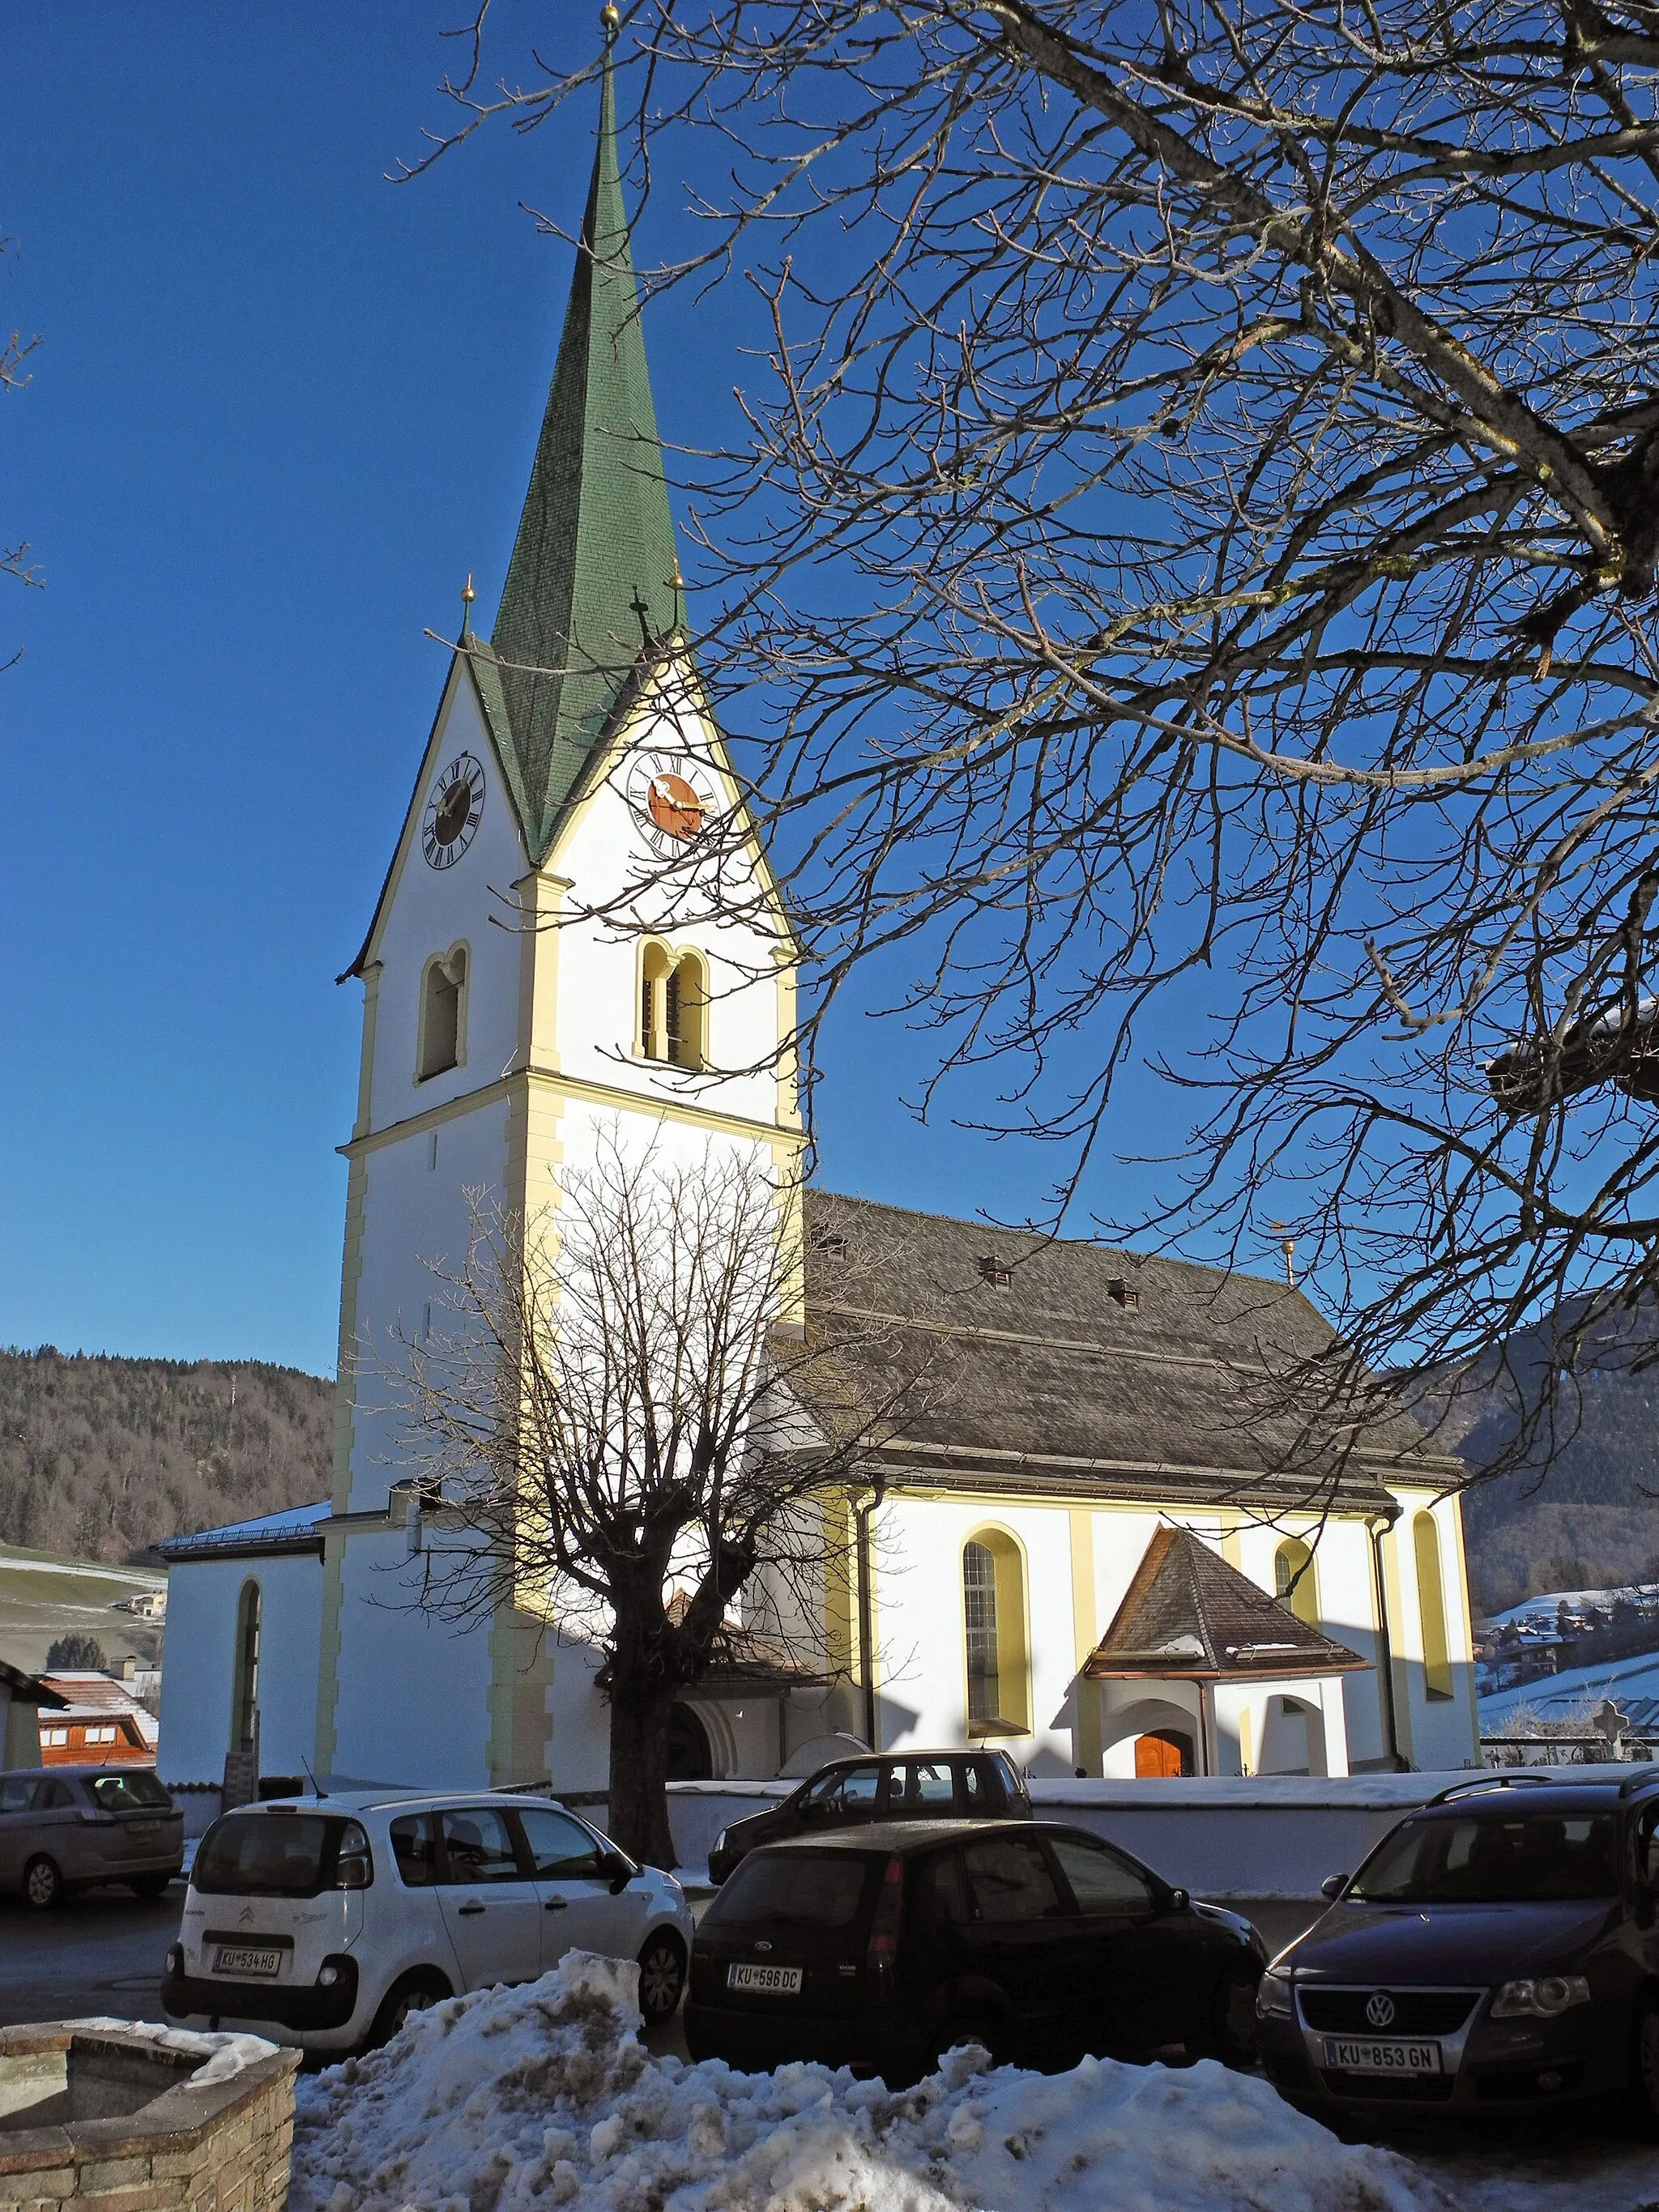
(505, 1036)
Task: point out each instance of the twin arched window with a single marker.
(1432, 1607)
(443, 1013)
(674, 1006)
(997, 1650)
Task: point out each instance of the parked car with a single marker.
(75, 1826)
(1498, 1947)
(922, 1785)
(883, 1948)
(327, 1921)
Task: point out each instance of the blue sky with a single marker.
(279, 408)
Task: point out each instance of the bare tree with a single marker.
(634, 1436)
(14, 352)
(1188, 581)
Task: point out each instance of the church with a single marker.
(1084, 1547)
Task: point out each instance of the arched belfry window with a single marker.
(994, 1637)
(443, 1013)
(1295, 1580)
(245, 1687)
(1432, 1607)
(674, 1006)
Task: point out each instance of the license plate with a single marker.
(771, 1981)
(1378, 2057)
(244, 1958)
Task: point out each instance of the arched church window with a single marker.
(443, 1013)
(245, 1691)
(1295, 1580)
(1432, 1607)
(993, 1623)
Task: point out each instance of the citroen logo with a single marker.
(762, 1945)
(1379, 2008)
(245, 1916)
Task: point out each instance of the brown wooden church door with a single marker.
(1163, 1752)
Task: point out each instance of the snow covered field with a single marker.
(516, 2099)
(1633, 1685)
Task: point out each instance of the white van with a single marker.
(327, 1921)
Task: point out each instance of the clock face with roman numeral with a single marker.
(453, 811)
(668, 793)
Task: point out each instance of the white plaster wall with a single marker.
(1343, 1579)
(414, 1697)
(1444, 1732)
(198, 1679)
(921, 1631)
(429, 911)
(417, 1219)
(598, 987)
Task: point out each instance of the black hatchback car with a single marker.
(1500, 1947)
(852, 1793)
(881, 1950)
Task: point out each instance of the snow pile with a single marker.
(223, 2055)
(540, 2096)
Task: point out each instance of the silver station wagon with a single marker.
(65, 1828)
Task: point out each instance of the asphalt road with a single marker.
(100, 1953)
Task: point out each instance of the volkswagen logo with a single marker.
(1379, 2008)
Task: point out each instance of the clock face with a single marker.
(669, 793)
(453, 811)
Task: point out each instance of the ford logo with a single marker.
(1379, 2008)
(764, 1945)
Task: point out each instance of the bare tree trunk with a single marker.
(638, 1769)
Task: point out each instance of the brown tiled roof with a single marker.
(1096, 1371)
(1188, 1616)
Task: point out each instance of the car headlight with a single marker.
(719, 1843)
(1541, 1998)
(1273, 1996)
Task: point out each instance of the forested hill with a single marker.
(102, 1457)
(1583, 1514)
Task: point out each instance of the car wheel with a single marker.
(42, 1884)
(1644, 2065)
(662, 1976)
(967, 2026)
(412, 1993)
(149, 1885)
(1229, 2034)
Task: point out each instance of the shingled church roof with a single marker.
(1047, 1365)
(1188, 1616)
(591, 589)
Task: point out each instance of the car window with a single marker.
(266, 1855)
(921, 1789)
(1492, 1859)
(18, 1792)
(1647, 1850)
(1099, 1880)
(478, 1845)
(135, 1792)
(1009, 1880)
(415, 1847)
(813, 1889)
(941, 1892)
(559, 1846)
(851, 1792)
(53, 1796)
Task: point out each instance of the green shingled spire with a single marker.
(590, 582)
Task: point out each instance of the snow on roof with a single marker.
(293, 1526)
(88, 1696)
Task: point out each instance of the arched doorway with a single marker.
(690, 1759)
(1165, 1751)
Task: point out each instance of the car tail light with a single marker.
(354, 1868)
(883, 1946)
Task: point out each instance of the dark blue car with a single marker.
(1498, 1947)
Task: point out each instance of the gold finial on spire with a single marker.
(609, 20)
(467, 597)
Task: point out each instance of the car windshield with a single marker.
(817, 1889)
(265, 1855)
(1489, 1858)
(137, 1792)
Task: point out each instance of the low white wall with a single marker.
(1263, 1836)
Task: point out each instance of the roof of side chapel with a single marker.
(1188, 1615)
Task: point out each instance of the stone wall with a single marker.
(223, 2147)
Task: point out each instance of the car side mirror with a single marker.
(618, 1868)
(1179, 1900)
(1333, 1885)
